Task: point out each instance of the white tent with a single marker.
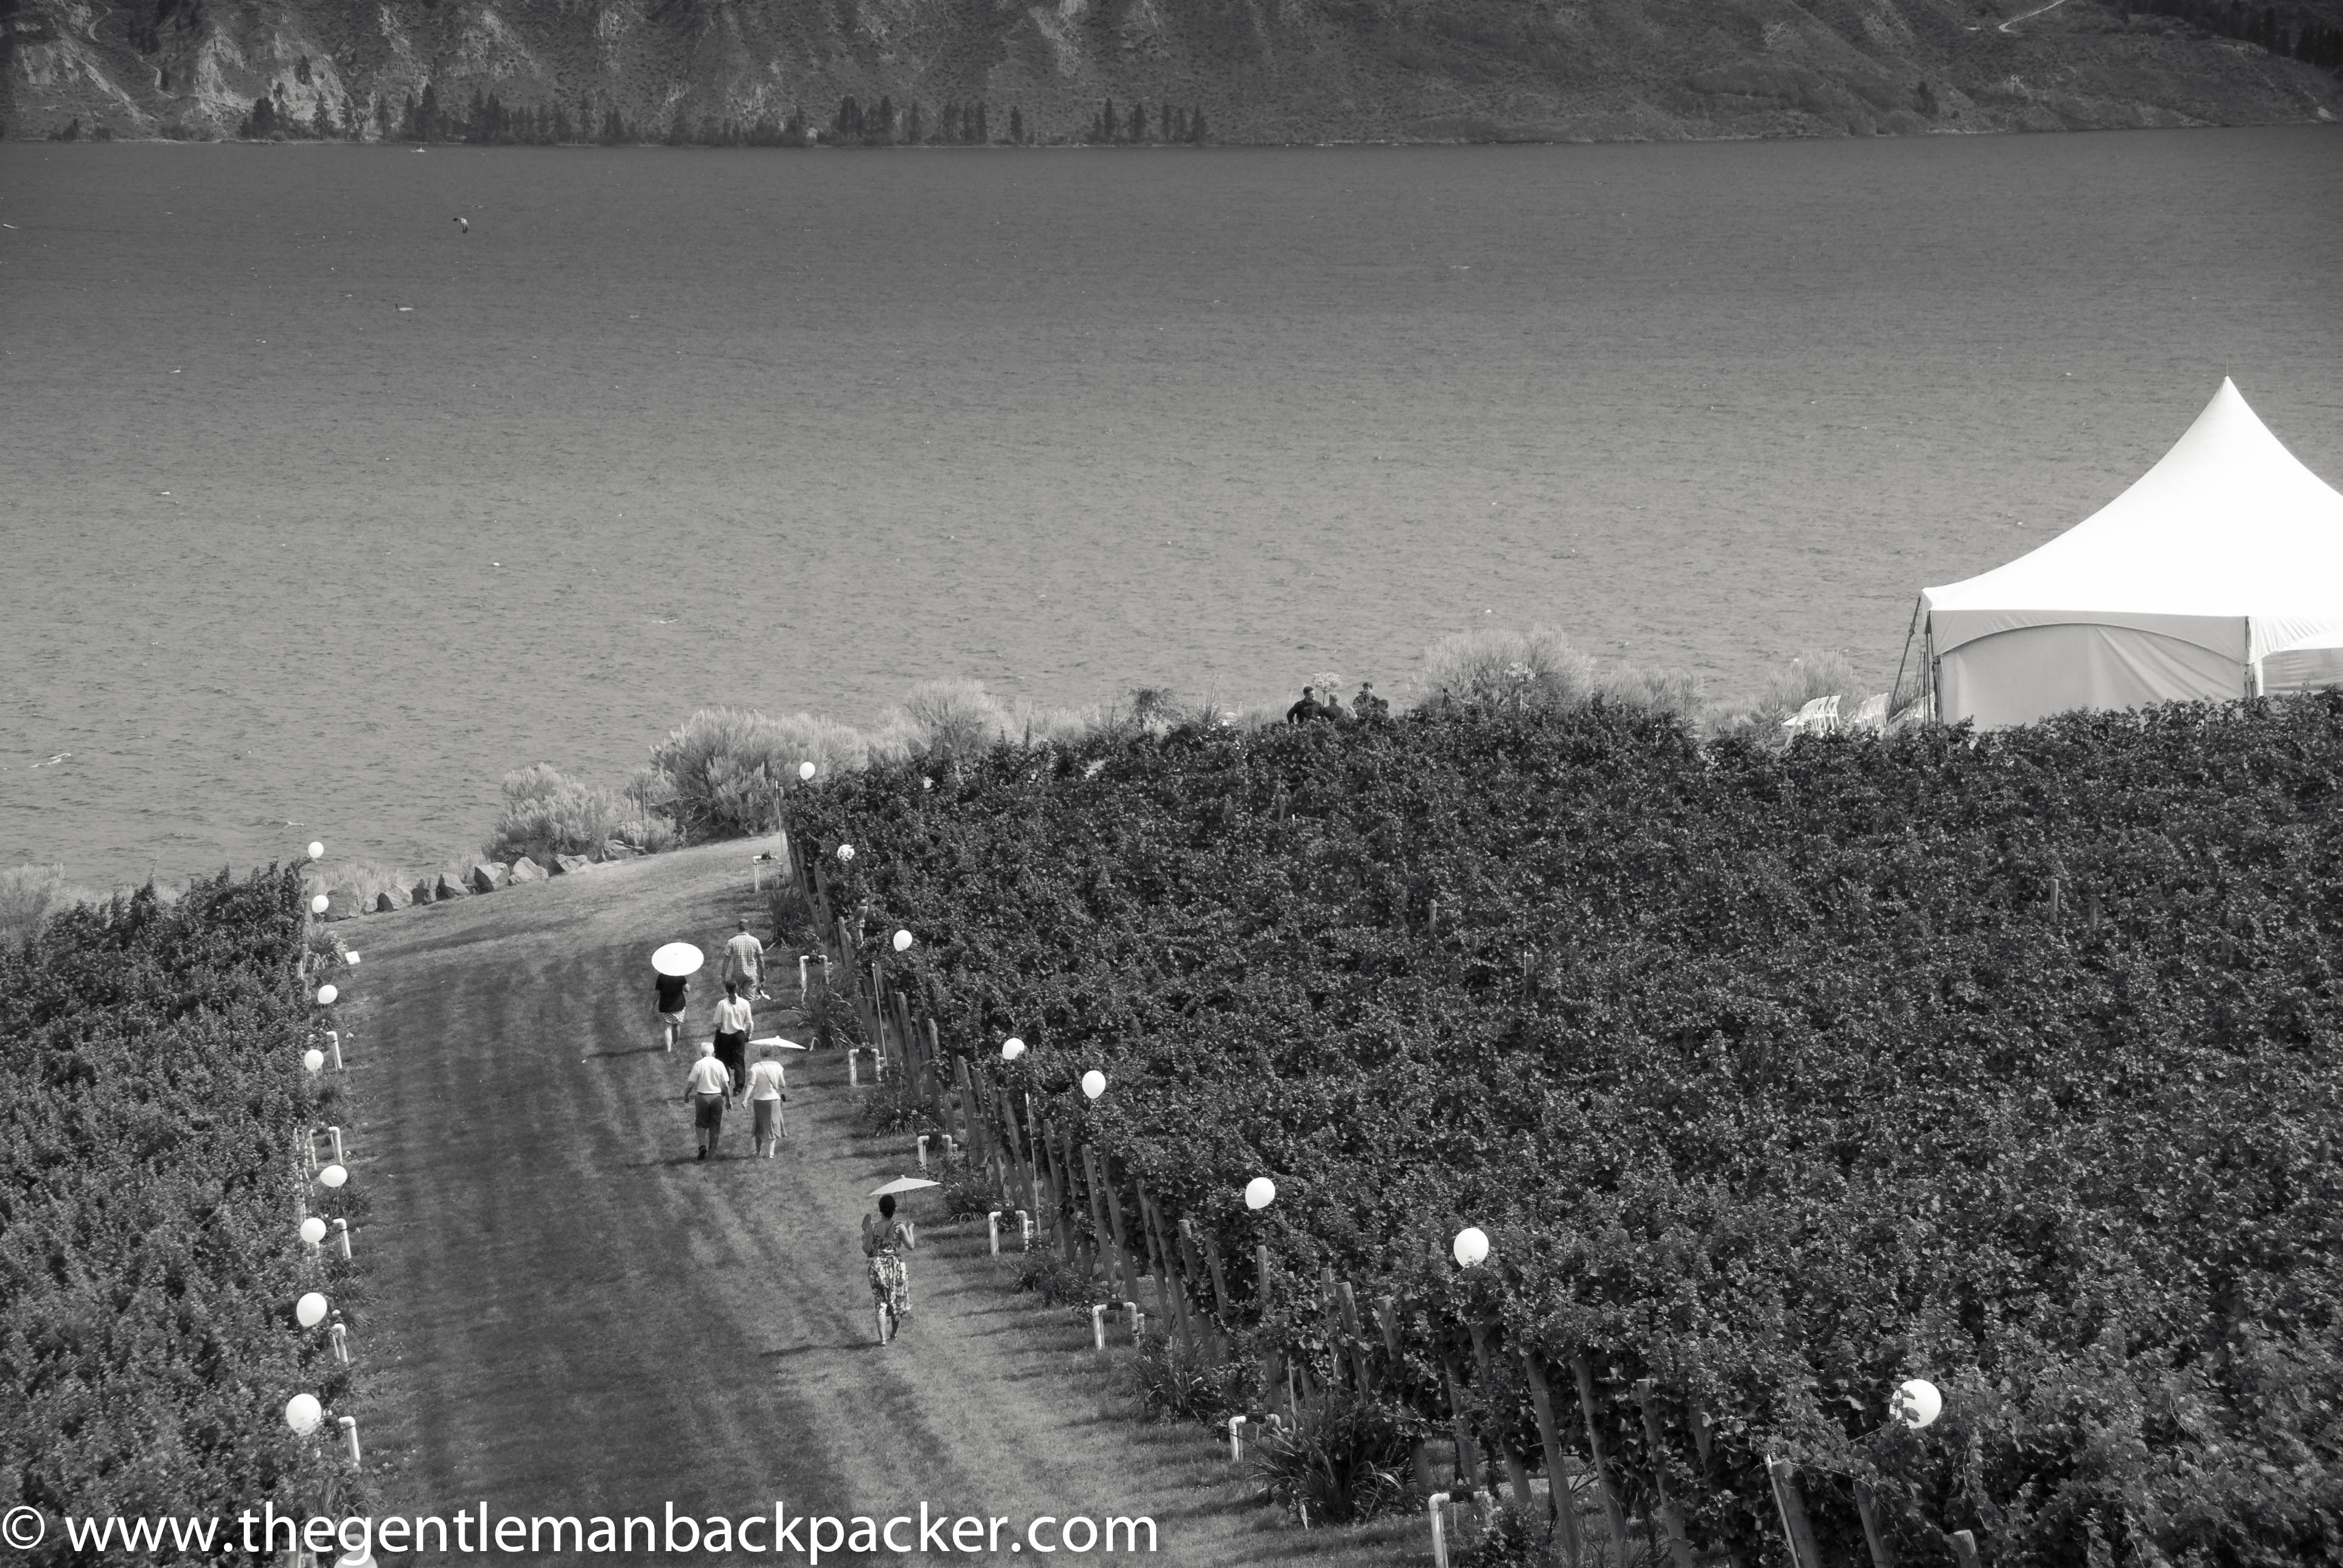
(2218, 574)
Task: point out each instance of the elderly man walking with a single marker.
(705, 1090)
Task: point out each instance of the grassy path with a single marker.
(567, 1314)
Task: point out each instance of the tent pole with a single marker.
(1895, 695)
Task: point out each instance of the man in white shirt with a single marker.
(765, 1096)
(704, 1091)
(744, 961)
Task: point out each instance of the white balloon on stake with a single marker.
(1260, 1193)
(902, 941)
(1916, 1402)
(805, 770)
(327, 993)
(1011, 1048)
(314, 1059)
(317, 904)
(313, 1230)
(1093, 1084)
(1471, 1246)
(334, 1175)
(310, 1309)
(303, 1412)
(316, 848)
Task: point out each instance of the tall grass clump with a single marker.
(1345, 1459)
(547, 814)
(955, 716)
(724, 770)
(29, 895)
(1536, 671)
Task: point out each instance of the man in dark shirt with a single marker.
(670, 1006)
(1304, 710)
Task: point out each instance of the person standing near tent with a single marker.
(744, 961)
(884, 1240)
(704, 1090)
(767, 1088)
(733, 1025)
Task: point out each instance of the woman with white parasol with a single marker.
(675, 963)
(882, 1235)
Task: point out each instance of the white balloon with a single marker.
(845, 851)
(313, 1230)
(303, 1412)
(1916, 1402)
(1011, 1048)
(327, 993)
(1260, 1193)
(805, 770)
(1471, 1246)
(351, 960)
(333, 1175)
(927, 783)
(902, 941)
(1093, 1084)
(317, 904)
(311, 1309)
(314, 1059)
(316, 849)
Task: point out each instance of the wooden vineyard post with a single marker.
(1792, 1505)
(1337, 1343)
(1170, 1291)
(1212, 1265)
(1557, 1476)
(1261, 1263)
(1702, 1441)
(1096, 1185)
(1613, 1510)
(1964, 1545)
(1468, 1453)
(1516, 1471)
(1671, 1516)
(1387, 1319)
(1354, 1331)
(1873, 1537)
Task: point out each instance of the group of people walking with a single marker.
(1364, 705)
(719, 1078)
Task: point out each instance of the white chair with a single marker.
(1873, 714)
(1818, 717)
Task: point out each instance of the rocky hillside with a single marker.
(1249, 70)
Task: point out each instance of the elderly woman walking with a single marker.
(890, 1287)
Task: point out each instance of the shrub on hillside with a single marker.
(31, 894)
(1536, 671)
(546, 814)
(954, 717)
(725, 770)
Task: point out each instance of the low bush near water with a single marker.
(1775, 1076)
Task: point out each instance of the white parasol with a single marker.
(903, 1184)
(777, 1040)
(678, 959)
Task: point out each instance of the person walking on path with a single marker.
(704, 1091)
(744, 961)
(733, 1025)
(767, 1090)
(671, 989)
(884, 1241)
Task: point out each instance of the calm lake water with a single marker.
(320, 510)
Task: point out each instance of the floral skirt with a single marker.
(890, 1287)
